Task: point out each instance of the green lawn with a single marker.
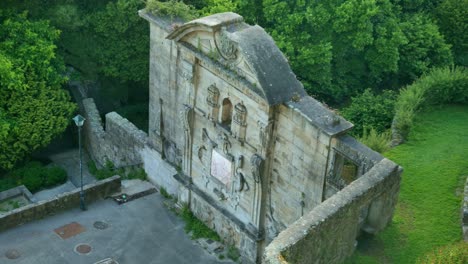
(435, 162)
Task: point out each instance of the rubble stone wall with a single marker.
(61, 202)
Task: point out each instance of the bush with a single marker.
(171, 8)
(371, 111)
(137, 173)
(55, 176)
(197, 227)
(35, 176)
(439, 86)
(379, 142)
(451, 254)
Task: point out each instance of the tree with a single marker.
(371, 111)
(426, 48)
(337, 48)
(33, 106)
(452, 17)
(123, 41)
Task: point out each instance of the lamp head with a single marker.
(79, 120)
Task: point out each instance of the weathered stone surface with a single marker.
(327, 234)
(222, 92)
(61, 202)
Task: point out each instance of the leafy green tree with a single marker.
(369, 111)
(218, 6)
(123, 41)
(33, 106)
(337, 47)
(452, 17)
(425, 49)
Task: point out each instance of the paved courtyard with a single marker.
(141, 231)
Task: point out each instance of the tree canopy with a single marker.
(33, 106)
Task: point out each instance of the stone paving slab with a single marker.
(141, 231)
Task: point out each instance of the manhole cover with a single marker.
(12, 254)
(100, 225)
(83, 248)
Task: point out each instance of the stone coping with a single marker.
(19, 190)
(61, 202)
(317, 218)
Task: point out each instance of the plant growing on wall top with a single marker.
(172, 9)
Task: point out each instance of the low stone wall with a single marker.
(327, 234)
(119, 143)
(61, 202)
(465, 212)
(17, 191)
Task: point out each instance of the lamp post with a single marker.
(79, 121)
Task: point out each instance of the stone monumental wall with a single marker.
(253, 152)
(327, 234)
(124, 145)
(119, 143)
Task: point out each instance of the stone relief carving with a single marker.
(201, 153)
(240, 182)
(264, 133)
(240, 114)
(213, 96)
(186, 71)
(226, 144)
(206, 138)
(256, 161)
(185, 117)
(226, 47)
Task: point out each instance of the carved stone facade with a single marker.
(254, 152)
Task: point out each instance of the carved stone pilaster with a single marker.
(212, 101)
(186, 118)
(240, 122)
(256, 163)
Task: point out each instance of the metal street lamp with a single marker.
(79, 121)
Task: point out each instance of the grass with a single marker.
(427, 217)
(196, 227)
(109, 170)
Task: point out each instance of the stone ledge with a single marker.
(19, 190)
(61, 202)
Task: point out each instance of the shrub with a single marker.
(172, 9)
(379, 142)
(137, 173)
(369, 110)
(35, 176)
(164, 193)
(439, 86)
(197, 227)
(451, 254)
(55, 176)
(233, 253)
